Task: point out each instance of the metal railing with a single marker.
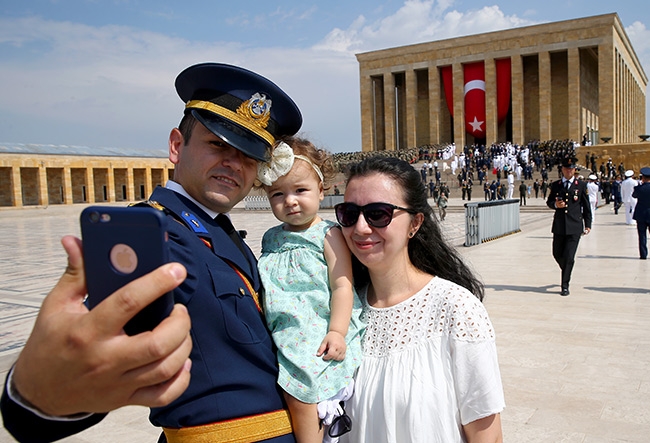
(261, 202)
(256, 203)
(485, 221)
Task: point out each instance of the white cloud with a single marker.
(417, 22)
(68, 83)
(640, 37)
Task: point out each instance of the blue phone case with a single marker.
(121, 244)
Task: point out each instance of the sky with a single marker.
(100, 73)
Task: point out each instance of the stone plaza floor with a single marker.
(574, 369)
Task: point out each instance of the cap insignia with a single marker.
(257, 108)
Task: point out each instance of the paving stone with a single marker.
(574, 369)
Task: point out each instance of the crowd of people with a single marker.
(498, 168)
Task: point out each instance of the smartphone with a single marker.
(121, 244)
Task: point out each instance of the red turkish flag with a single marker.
(474, 96)
(475, 99)
(448, 85)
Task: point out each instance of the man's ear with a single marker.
(176, 143)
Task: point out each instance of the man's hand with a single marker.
(77, 360)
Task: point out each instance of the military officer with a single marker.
(232, 117)
(627, 187)
(642, 211)
(568, 197)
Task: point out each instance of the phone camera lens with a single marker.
(94, 216)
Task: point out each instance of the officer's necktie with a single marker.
(229, 229)
(567, 183)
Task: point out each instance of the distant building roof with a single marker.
(21, 148)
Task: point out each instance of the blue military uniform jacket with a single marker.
(576, 217)
(234, 367)
(642, 209)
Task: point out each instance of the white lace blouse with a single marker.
(429, 366)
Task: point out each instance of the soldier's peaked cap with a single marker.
(569, 162)
(246, 110)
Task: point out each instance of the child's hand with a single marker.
(333, 347)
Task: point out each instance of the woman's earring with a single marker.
(411, 234)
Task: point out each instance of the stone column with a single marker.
(43, 196)
(459, 105)
(517, 94)
(621, 123)
(389, 110)
(67, 185)
(641, 114)
(16, 186)
(90, 185)
(434, 104)
(110, 185)
(367, 114)
(411, 108)
(606, 91)
(576, 126)
(545, 130)
(130, 192)
(148, 188)
(491, 117)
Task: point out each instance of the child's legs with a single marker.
(305, 421)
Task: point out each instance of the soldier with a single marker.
(627, 187)
(642, 211)
(568, 197)
(232, 118)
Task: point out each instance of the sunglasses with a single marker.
(377, 215)
(342, 424)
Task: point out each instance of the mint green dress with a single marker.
(297, 309)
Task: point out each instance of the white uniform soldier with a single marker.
(592, 190)
(511, 184)
(627, 187)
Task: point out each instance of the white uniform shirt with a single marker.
(627, 187)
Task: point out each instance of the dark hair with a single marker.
(186, 126)
(428, 250)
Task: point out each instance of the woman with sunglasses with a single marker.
(429, 371)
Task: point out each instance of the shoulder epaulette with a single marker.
(151, 203)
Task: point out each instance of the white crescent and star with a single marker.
(474, 84)
(476, 125)
(470, 86)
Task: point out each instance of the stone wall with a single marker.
(634, 155)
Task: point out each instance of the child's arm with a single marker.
(339, 266)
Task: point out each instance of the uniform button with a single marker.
(241, 291)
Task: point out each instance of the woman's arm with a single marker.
(484, 430)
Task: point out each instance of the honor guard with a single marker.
(568, 197)
(642, 211)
